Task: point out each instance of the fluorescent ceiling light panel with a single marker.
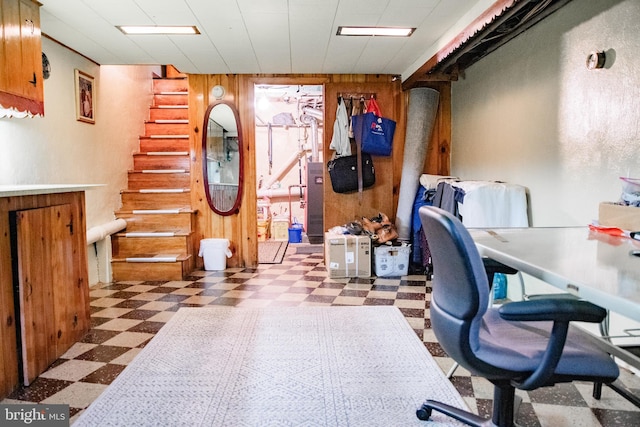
(157, 29)
(375, 31)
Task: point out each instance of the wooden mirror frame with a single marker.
(205, 163)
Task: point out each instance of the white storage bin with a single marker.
(391, 260)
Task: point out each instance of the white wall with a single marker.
(531, 113)
(58, 149)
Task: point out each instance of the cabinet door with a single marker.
(31, 50)
(46, 282)
(21, 83)
(10, 79)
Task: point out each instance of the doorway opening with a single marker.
(289, 165)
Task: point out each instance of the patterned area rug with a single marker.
(280, 366)
(271, 251)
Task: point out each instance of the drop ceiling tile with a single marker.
(263, 6)
(269, 34)
(115, 12)
(201, 53)
(306, 7)
(371, 59)
(254, 36)
(215, 12)
(308, 52)
(354, 7)
(93, 47)
(167, 12)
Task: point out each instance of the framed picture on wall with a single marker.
(85, 97)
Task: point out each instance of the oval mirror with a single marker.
(222, 158)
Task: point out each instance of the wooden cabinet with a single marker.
(45, 286)
(44, 292)
(21, 84)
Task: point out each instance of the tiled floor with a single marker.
(126, 315)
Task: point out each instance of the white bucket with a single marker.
(215, 253)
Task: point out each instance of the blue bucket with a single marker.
(295, 233)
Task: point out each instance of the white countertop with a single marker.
(27, 190)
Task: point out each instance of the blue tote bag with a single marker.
(377, 131)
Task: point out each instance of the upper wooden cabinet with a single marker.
(21, 56)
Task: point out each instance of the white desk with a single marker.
(594, 266)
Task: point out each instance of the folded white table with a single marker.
(594, 266)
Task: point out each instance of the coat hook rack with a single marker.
(357, 95)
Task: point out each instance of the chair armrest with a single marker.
(561, 311)
(554, 309)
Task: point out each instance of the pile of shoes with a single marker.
(379, 228)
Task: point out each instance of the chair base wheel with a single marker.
(423, 413)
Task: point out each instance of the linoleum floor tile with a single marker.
(126, 315)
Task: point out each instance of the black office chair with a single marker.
(524, 344)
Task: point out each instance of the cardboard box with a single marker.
(613, 215)
(391, 260)
(346, 255)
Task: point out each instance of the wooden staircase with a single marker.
(157, 242)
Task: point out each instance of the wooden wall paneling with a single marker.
(445, 129)
(437, 159)
(196, 192)
(208, 223)
(80, 297)
(439, 151)
(241, 229)
(248, 226)
(197, 107)
(342, 208)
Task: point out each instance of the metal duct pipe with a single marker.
(283, 169)
(314, 141)
(310, 117)
(273, 193)
(313, 112)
